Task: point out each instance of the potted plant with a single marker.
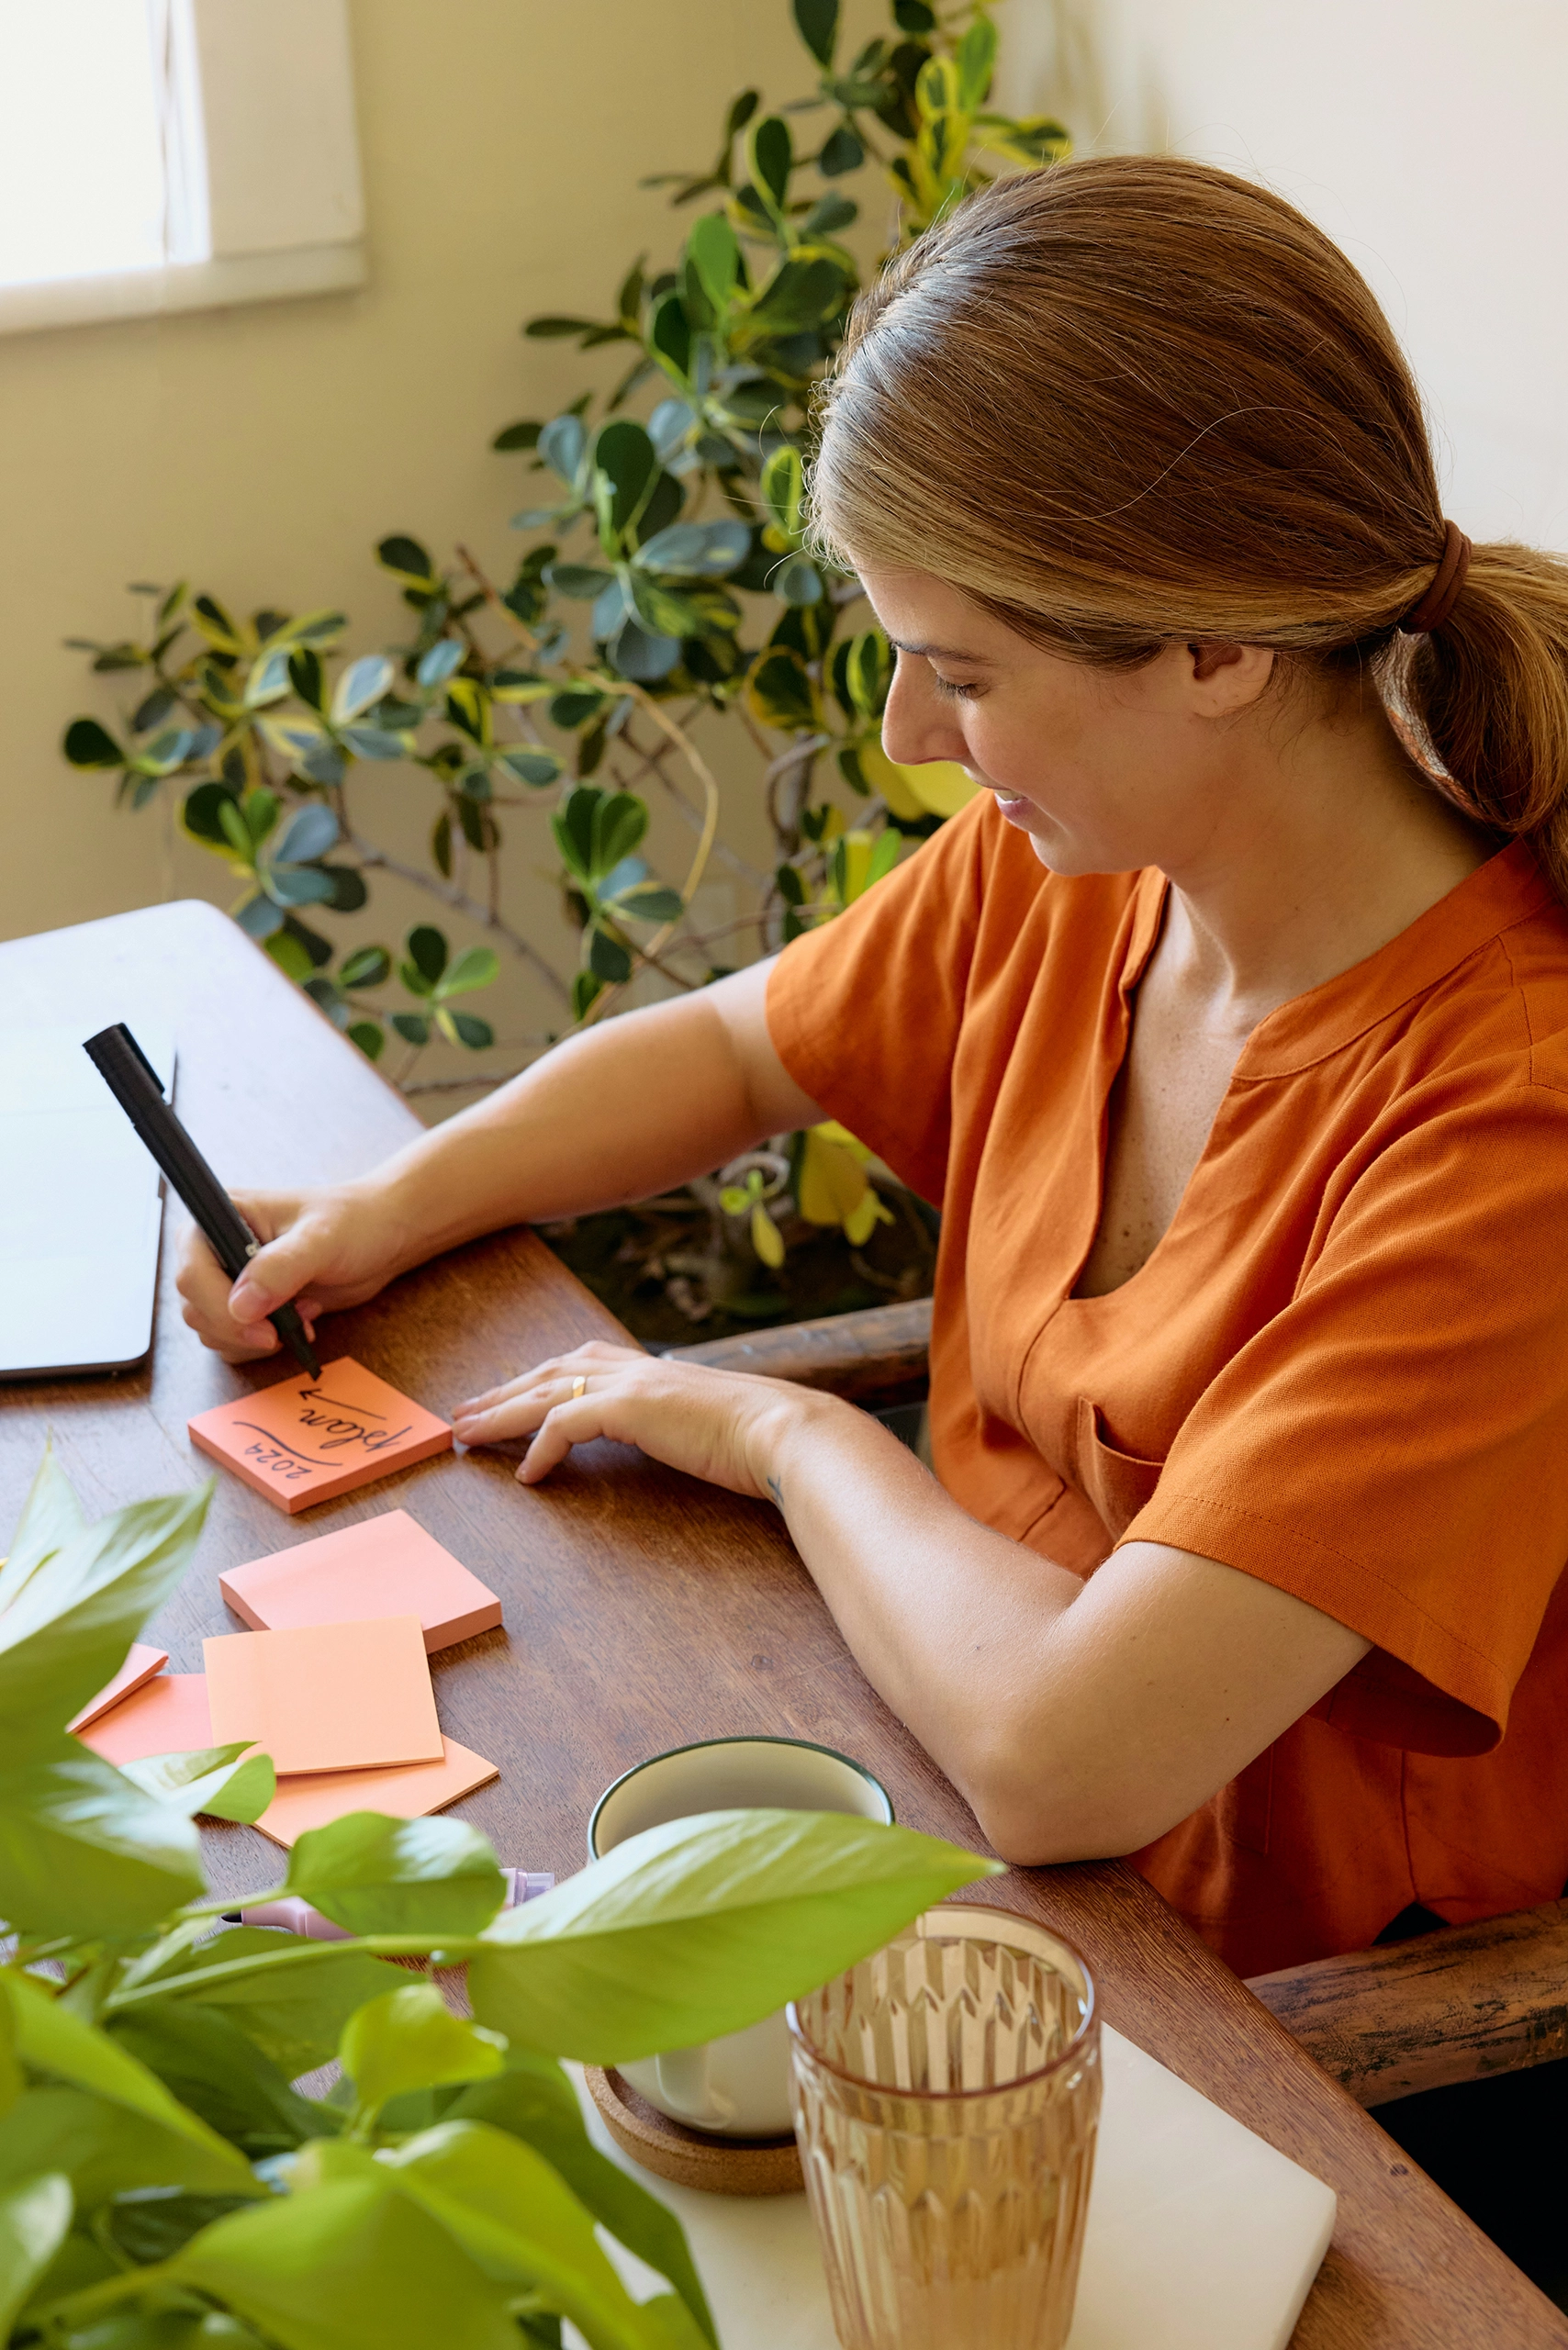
(666, 632)
(165, 2184)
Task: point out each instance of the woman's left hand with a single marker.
(722, 1425)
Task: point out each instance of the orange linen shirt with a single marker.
(1343, 1370)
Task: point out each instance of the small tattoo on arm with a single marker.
(777, 1490)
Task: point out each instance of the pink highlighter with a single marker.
(297, 1917)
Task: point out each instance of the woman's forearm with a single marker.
(1080, 1719)
(621, 1112)
(947, 1619)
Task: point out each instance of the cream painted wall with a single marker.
(264, 451)
(1426, 136)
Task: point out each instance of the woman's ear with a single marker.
(1228, 675)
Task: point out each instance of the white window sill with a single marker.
(191, 285)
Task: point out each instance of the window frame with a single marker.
(243, 79)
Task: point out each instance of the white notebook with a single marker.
(1201, 2236)
(81, 1208)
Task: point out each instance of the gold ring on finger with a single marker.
(578, 1384)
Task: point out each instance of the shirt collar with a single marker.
(1507, 889)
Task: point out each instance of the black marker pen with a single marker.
(131, 1079)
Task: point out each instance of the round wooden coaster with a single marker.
(691, 2157)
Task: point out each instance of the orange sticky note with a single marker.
(316, 1798)
(166, 1716)
(326, 1696)
(139, 1666)
(308, 1439)
(388, 1566)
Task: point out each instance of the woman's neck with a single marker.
(1328, 849)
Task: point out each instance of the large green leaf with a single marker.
(52, 2041)
(377, 1875)
(85, 1852)
(71, 1625)
(34, 2217)
(620, 821)
(51, 1516)
(88, 745)
(799, 294)
(348, 2265)
(106, 2149)
(623, 455)
(410, 2039)
(533, 2099)
(213, 1781)
(780, 691)
(713, 250)
(292, 1998)
(703, 1926)
(507, 2207)
(783, 488)
(220, 2074)
(770, 152)
(817, 21)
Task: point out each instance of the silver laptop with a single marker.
(81, 1208)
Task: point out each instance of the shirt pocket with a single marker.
(1117, 1484)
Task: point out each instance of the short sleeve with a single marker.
(1392, 1447)
(864, 1012)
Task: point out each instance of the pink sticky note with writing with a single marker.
(166, 1716)
(308, 1439)
(388, 1566)
(139, 1666)
(326, 1696)
(316, 1798)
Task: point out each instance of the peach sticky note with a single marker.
(139, 1666)
(166, 1716)
(326, 1696)
(314, 1798)
(306, 1440)
(388, 1566)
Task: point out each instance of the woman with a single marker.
(1234, 1047)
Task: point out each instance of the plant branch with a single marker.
(460, 902)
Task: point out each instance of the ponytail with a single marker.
(1489, 689)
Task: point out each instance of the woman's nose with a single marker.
(917, 725)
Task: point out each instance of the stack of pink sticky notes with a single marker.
(333, 1682)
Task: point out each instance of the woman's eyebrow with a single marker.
(943, 653)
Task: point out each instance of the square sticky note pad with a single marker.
(314, 1799)
(166, 1716)
(306, 1440)
(388, 1566)
(326, 1696)
(138, 1667)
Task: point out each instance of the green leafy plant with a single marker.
(164, 2182)
(665, 586)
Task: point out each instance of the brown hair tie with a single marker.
(1443, 594)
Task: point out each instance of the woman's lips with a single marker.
(1017, 810)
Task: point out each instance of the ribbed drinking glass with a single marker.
(946, 2095)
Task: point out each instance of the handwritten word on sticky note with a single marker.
(308, 1439)
(387, 1566)
(326, 1696)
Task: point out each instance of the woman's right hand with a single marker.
(323, 1249)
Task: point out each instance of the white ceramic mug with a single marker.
(736, 2085)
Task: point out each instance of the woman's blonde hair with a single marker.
(1133, 400)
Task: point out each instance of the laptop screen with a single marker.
(81, 1208)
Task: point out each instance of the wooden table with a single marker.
(642, 1609)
